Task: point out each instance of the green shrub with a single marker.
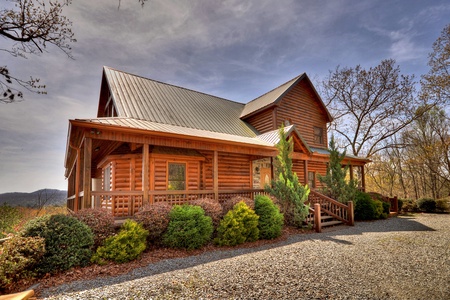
(100, 221)
(379, 210)
(126, 246)
(410, 205)
(386, 208)
(18, 258)
(155, 219)
(365, 207)
(212, 209)
(442, 205)
(270, 221)
(427, 205)
(68, 242)
(189, 228)
(238, 226)
(9, 217)
(400, 205)
(228, 204)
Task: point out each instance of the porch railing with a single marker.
(127, 203)
(332, 207)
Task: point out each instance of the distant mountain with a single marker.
(44, 196)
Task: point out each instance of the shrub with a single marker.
(155, 219)
(427, 205)
(271, 220)
(410, 205)
(400, 205)
(100, 221)
(126, 246)
(365, 207)
(18, 258)
(9, 217)
(238, 226)
(212, 209)
(442, 205)
(386, 208)
(68, 242)
(228, 204)
(379, 210)
(189, 228)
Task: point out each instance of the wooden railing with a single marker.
(127, 203)
(332, 207)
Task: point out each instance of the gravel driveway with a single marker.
(398, 258)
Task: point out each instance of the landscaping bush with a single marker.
(228, 204)
(155, 219)
(9, 217)
(365, 207)
(189, 228)
(400, 205)
(386, 208)
(68, 242)
(442, 205)
(126, 246)
(270, 221)
(427, 205)
(379, 210)
(212, 209)
(100, 221)
(410, 205)
(238, 226)
(18, 258)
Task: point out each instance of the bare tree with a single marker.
(436, 84)
(44, 198)
(369, 106)
(32, 25)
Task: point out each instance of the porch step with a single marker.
(331, 223)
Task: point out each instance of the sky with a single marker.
(234, 49)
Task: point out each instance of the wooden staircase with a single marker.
(325, 211)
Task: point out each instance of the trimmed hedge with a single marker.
(100, 221)
(68, 242)
(238, 226)
(211, 207)
(126, 246)
(270, 221)
(427, 205)
(155, 219)
(188, 228)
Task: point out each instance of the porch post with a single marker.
(77, 180)
(305, 176)
(216, 175)
(363, 179)
(145, 172)
(87, 173)
(351, 172)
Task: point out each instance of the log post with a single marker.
(351, 214)
(317, 218)
(216, 175)
(87, 173)
(145, 172)
(77, 181)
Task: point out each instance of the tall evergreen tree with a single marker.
(286, 188)
(335, 184)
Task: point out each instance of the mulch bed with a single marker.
(151, 255)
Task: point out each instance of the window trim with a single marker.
(318, 136)
(168, 174)
(312, 181)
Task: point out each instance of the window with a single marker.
(312, 179)
(176, 177)
(318, 135)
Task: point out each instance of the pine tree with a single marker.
(287, 189)
(335, 183)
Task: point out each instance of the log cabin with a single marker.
(153, 142)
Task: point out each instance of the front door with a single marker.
(266, 177)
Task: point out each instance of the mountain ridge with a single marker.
(45, 197)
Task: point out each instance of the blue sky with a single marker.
(234, 49)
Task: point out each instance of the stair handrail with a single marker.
(330, 206)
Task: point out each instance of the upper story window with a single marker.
(110, 109)
(176, 177)
(318, 135)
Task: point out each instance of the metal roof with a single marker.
(160, 103)
(167, 128)
(268, 98)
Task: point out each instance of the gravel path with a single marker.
(398, 258)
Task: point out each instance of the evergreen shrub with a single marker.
(410, 205)
(188, 228)
(18, 259)
(400, 205)
(126, 246)
(212, 209)
(100, 221)
(365, 207)
(442, 205)
(68, 242)
(379, 212)
(155, 219)
(239, 225)
(270, 221)
(228, 204)
(427, 205)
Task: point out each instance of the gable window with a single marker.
(318, 135)
(176, 177)
(312, 179)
